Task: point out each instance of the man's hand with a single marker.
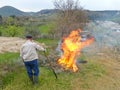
(22, 59)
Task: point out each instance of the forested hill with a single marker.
(113, 15)
(8, 11)
(104, 15)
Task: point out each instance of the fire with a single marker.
(71, 47)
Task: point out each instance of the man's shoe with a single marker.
(35, 79)
(31, 79)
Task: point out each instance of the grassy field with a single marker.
(80, 80)
(94, 75)
(99, 73)
(8, 57)
(46, 28)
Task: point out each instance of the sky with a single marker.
(37, 5)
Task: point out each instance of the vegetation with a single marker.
(17, 79)
(8, 57)
(8, 11)
(101, 72)
(97, 74)
(71, 16)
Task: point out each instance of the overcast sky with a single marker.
(37, 5)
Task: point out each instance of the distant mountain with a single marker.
(8, 11)
(113, 15)
(47, 11)
(103, 15)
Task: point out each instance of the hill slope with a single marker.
(8, 11)
(113, 15)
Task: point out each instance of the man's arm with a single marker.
(39, 47)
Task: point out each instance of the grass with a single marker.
(95, 70)
(94, 75)
(7, 67)
(46, 79)
(17, 78)
(48, 42)
(44, 29)
(7, 79)
(80, 80)
(8, 57)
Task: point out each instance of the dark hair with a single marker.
(29, 36)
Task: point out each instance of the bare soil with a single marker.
(10, 44)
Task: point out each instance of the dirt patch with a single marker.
(10, 44)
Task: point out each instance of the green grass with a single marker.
(48, 42)
(66, 80)
(92, 70)
(44, 29)
(17, 79)
(8, 57)
(7, 79)
(47, 81)
(7, 67)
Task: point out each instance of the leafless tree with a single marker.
(71, 16)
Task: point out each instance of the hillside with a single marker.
(46, 11)
(8, 11)
(113, 15)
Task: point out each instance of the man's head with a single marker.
(28, 36)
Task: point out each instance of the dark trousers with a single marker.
(32, 68)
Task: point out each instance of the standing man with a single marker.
(30, 58)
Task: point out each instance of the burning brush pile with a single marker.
(71, 47)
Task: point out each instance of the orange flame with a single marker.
(71, 47)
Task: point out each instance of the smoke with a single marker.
(104, 32)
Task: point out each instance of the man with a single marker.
(30, 58)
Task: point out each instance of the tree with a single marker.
(33, 30)
(12, 31)
(71, 16)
